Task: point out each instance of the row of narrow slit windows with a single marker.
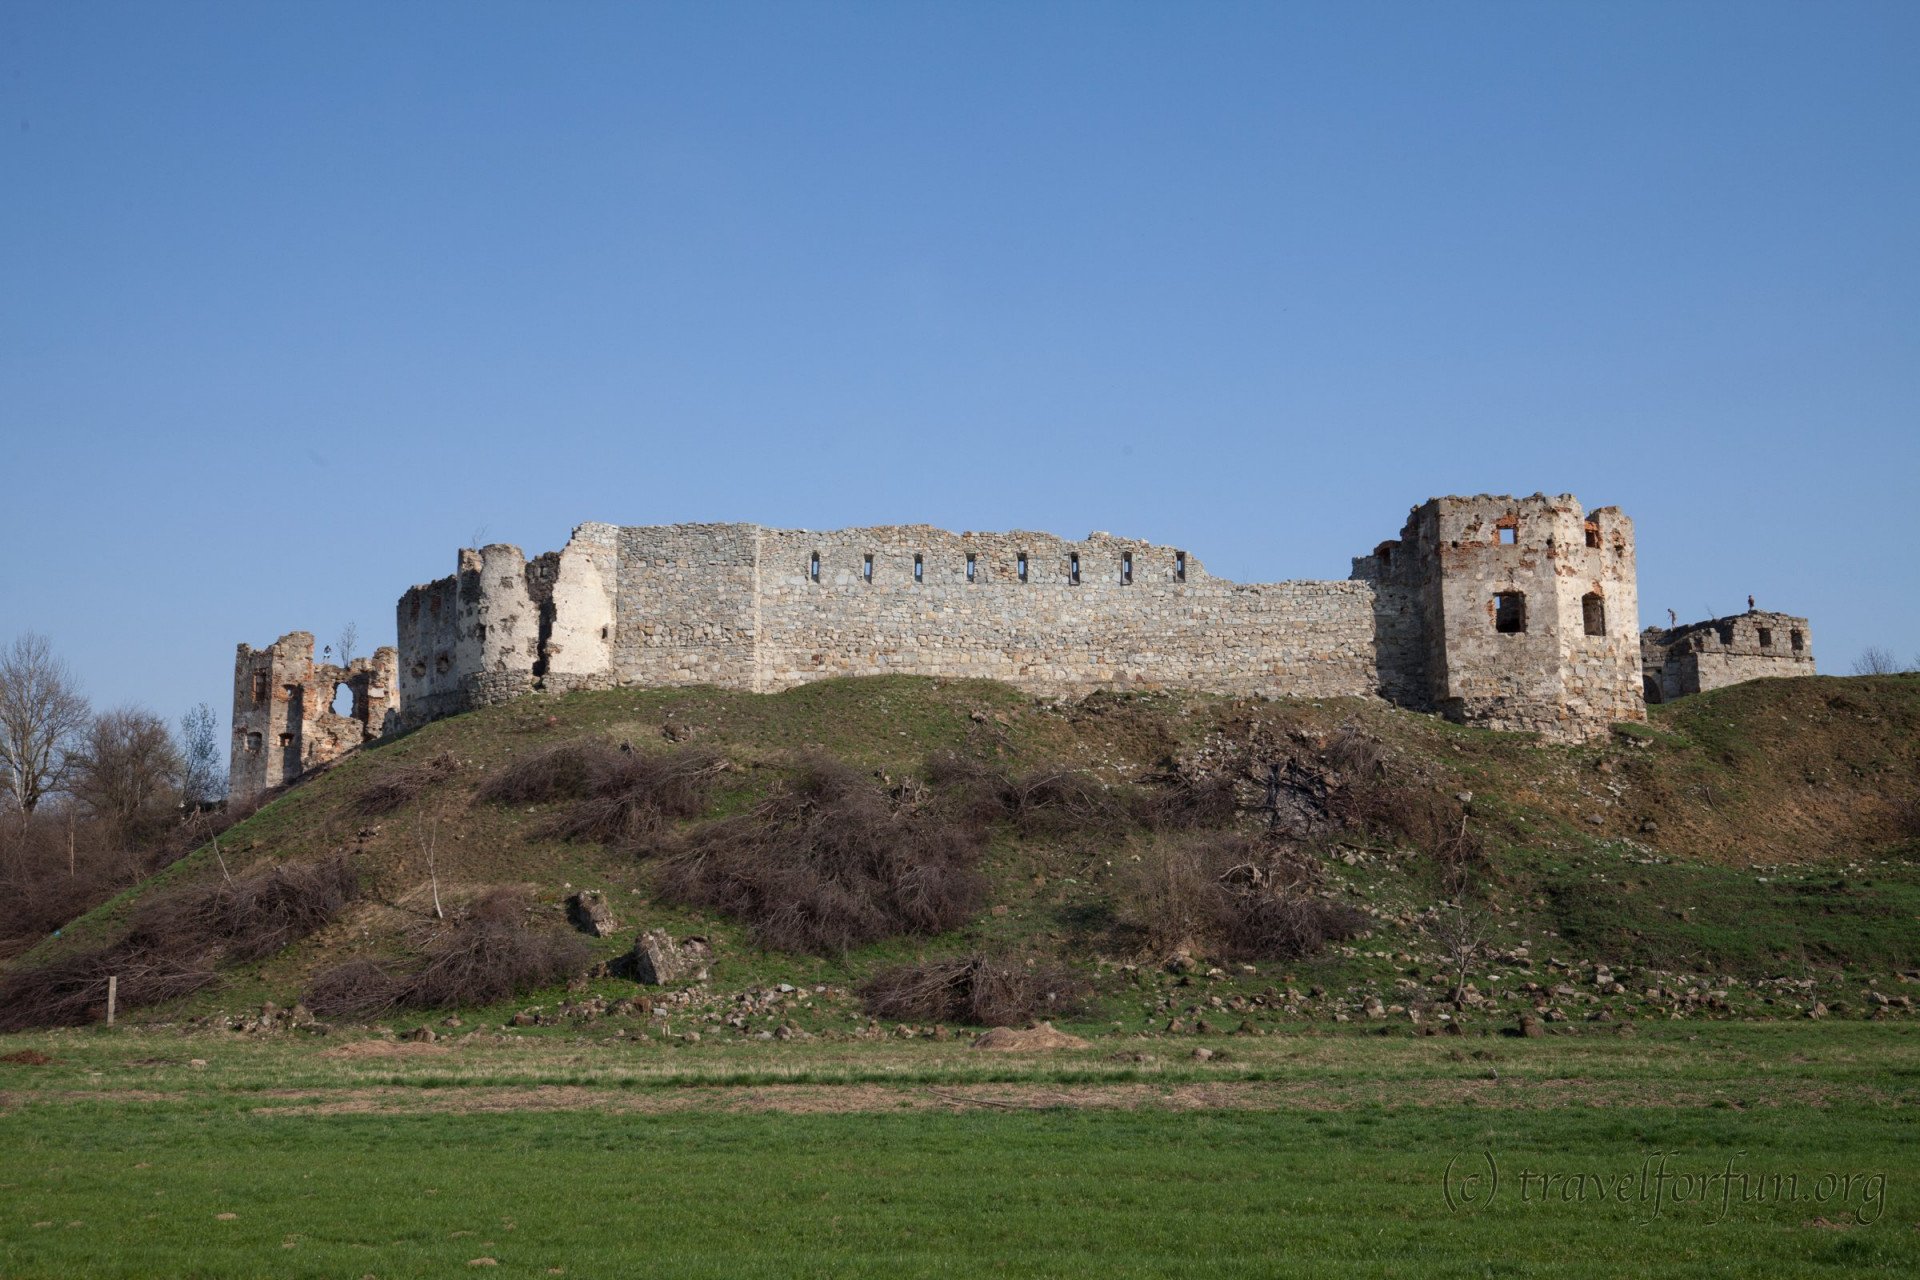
(1020, 566)
(1510, 613)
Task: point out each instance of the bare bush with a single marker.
(176, 943)
(1235, 896)
(1182, 801)
(632, 795)
(254, 916)
(490, 951)
(829, 862)
(558, 772)
(72, 990)
(1051, 800)
(1876, 661)
(977, 990)
(356, 989)
(398, 785)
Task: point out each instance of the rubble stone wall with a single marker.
(1698, 656)
(283, 718)
(1515, 613)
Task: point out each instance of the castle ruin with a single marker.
(1513, 613)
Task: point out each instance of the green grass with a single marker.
(138, 1190)
(1309, 1154)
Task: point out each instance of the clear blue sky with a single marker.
(296, 299)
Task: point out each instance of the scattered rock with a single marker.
(655, 960)
(591, 915)
(1203, 1055)
(1530, 1026)
(421, 1035)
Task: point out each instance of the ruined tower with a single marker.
(283, 718)
(1528, 612)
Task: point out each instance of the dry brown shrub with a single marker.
(1234, 896)
(491, 950)
(977, 990)
(72, 990)
(176, 942)
(1182, 801)
(1050, 800)
(398, 785)
(830, 861)
(558, 772)
(632, 796)
(355, 989)
(254, 916)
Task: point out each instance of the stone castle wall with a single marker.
(1699, 656)
(1516, 613)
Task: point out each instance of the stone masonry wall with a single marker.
(1517, 613)
(1706, 655)
(1529, 608)
(1100, 613)
(283, 718)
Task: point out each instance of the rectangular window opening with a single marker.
(919, 569)
(813, 568)
(1508, 534)
(1593, 534)
(1020, 565)
(1798, 640)
(1766, 638)
(1593, 613)
(1179, 566)
(1126, 568)
(1073, 569)
(971, 571)
(866, 569)
(1510, 612)
(259, 686)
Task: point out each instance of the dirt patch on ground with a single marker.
(26, 1058)
(385, 1049)
(1225, 1095)
(1039, 1038)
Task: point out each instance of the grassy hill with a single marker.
(1750, 852)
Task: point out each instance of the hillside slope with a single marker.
(1761, 835)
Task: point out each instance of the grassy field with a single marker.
(1671, 1150)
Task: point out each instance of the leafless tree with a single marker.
(41, 716)
(1876, 661)
(347, 643)
(127, 771)
(1463, 935)
(202, 780)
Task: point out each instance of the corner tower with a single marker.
(1529, 612)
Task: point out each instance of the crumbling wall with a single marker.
(579, 617)
(473, 639)
(1528, 609)
(1516, 613)
(283, 718)
(1698, 656)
